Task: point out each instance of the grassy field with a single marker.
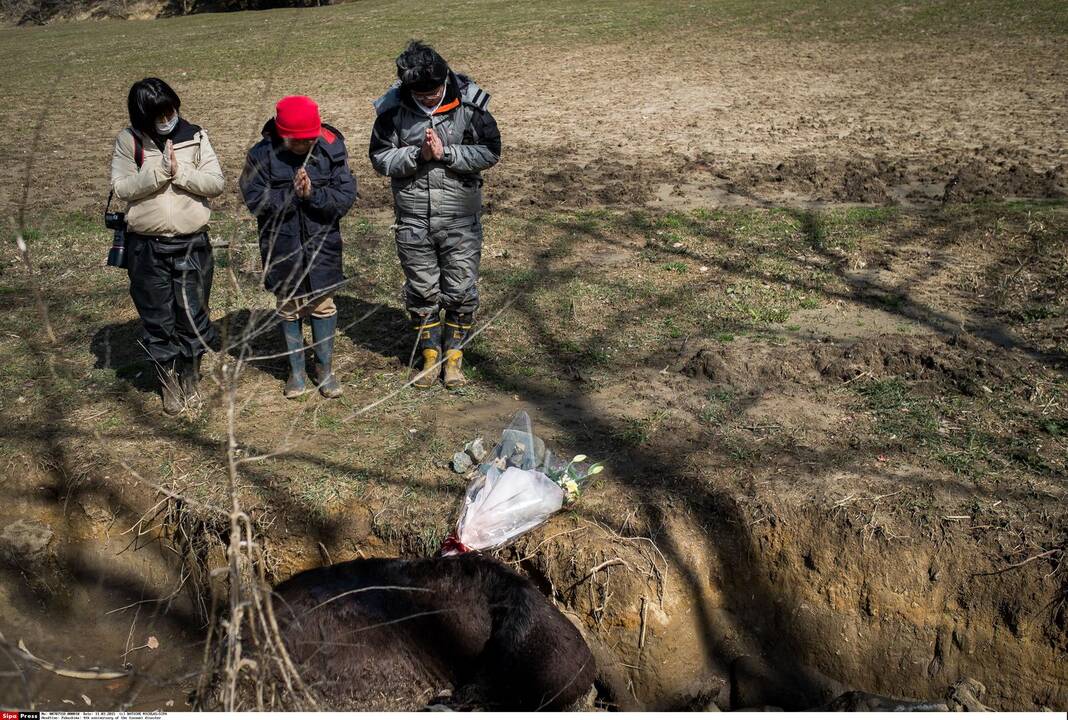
(803, 400)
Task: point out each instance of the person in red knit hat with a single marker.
(297, 184)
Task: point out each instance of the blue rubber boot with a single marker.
(323, 336)
(297, 384)
(428, 331)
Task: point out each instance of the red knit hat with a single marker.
(297, 117)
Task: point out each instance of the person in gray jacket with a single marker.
(433, 137)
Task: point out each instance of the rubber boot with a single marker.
(169, 388)
(428, 376)
(188, 377)
(457, 327)
(454, 376)
(297, 383)
(323, 337)
(428, 329)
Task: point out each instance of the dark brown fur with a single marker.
(463, 623)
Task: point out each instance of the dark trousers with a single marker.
(170, 283)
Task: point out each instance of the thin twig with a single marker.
(68, 672)
(599, 568)
(1048, 553)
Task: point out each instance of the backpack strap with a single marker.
(139, 151)
(389, 100)
(472, 94)
(139, 160)
(139, 148)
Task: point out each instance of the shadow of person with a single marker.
(118, 347)
(254, 336)
(379, 328)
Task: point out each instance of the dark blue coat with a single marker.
(300, 239)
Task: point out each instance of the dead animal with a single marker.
(393, 634)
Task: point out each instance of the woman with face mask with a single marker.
(165, 169)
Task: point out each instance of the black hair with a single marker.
(420, 68)
(149, 99)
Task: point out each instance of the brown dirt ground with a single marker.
(687, 123)
(788, 527)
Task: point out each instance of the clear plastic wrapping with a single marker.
(518, 487)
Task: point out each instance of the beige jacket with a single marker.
(162, 202)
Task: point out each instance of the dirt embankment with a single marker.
(783, 581)
(811, 570)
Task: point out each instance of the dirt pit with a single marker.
(786, 582)
(835, 435)
(90, 598)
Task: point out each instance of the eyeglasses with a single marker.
(429, 94)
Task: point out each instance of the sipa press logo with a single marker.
(8, 715)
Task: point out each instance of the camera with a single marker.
(116, 221)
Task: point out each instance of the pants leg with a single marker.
(459, 254)
(153, 296)
(321, 306)
(193, 273)
(422, 276)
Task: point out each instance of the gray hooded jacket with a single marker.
(443, 189)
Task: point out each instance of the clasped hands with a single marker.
(432, 149)
(302, 183)
(170, 160)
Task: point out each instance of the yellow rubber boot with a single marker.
(428, 376)
(454, 376)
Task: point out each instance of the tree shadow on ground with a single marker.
(653, 472)
(658, 475)
(118, 347)
(381, 329)
(253, 336)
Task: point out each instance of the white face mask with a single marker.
(166, 127)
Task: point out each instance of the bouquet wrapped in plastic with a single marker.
(517, 487)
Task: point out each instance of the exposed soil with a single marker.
(773, 122)
(823, 569)
(754, 366)
(868, 493)
(806, 570)
(89, 588)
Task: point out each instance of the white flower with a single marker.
(571, 489)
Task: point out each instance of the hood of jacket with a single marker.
(458, 87)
